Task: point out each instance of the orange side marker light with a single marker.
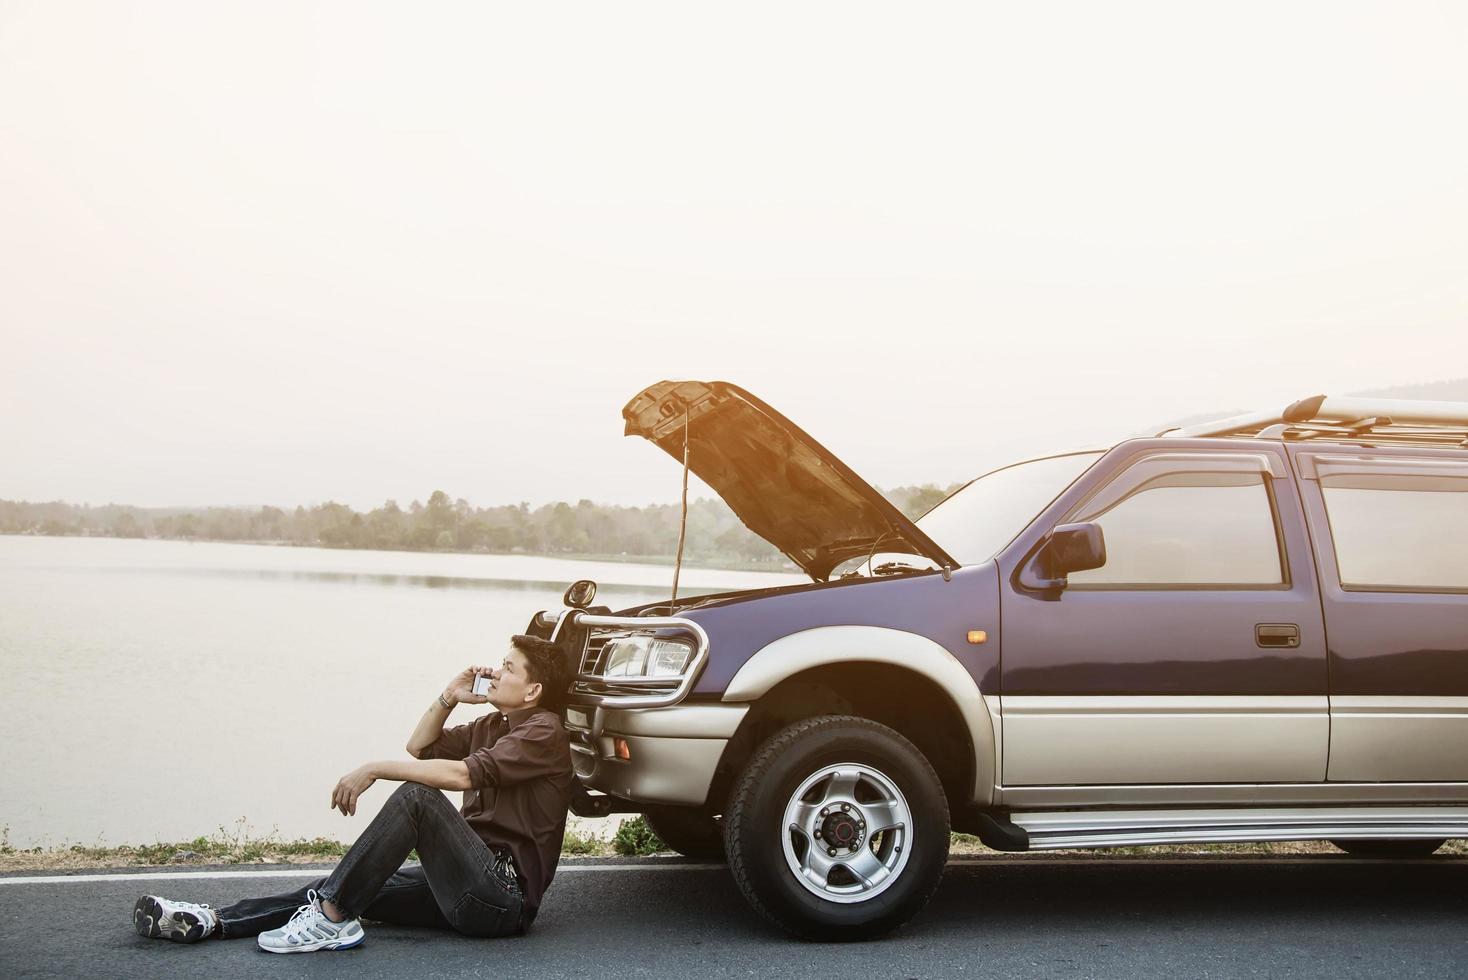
(977, 636)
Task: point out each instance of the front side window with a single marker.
(1399, 532)
(1174, 525)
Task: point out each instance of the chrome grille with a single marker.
(630, 692)
(594, 645)
(591, 661)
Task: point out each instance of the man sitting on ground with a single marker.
(484, 868)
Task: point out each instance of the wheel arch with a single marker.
(901, 679)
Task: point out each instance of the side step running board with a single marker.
(1040, 831)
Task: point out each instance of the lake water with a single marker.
(161, 690)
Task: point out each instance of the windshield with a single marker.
(975, 523)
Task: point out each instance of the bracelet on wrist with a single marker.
(446, 705)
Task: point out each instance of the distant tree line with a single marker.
(715, 535)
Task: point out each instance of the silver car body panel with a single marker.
(1398, 737)
(1123, 828)
(672, 752)
(807, 649)
(1164, 739)
(1231, 794)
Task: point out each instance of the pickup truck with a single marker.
(1254, 629)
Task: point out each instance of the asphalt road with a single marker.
(1317, 916)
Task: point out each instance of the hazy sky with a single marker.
(281, 253)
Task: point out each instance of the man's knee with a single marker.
(416, 795)
(413, 794)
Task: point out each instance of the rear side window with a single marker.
(1399, 531)
(1184, 524)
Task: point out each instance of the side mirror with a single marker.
(1068, 548)
(1075, 548)
(580, 594)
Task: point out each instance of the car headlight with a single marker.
(642, 655)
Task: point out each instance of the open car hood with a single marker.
(781, 483)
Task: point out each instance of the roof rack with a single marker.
(1366, 420)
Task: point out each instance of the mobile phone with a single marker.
(481, 684)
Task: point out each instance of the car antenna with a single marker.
(682, 517)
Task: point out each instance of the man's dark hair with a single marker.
(545, 664)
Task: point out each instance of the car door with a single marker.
(1194, 655)
(1391, 529)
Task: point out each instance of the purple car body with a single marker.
(1256, 633)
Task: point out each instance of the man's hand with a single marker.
(351, 786)
(461, 688)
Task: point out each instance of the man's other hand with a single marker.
(461, 688)
(351, 786)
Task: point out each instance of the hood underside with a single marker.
(786, 487)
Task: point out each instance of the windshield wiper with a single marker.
(892, 567)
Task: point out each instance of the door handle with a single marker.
(1277, 635)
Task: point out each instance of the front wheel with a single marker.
(837, 829)
(1406, 848)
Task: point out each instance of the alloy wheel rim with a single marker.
(848, 833)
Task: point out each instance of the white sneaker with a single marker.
(309, 930)
(183, 922)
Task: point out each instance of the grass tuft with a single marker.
(236, 846)
(579, 843)
(635, 838)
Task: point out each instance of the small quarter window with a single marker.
(1398, 532)
(1167, 526)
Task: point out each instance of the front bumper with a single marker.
(672, 752)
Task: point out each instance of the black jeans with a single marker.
(460, 885)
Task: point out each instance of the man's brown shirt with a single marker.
(520, 770)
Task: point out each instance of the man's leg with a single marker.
(252, 916)
(367, 881)
(454, 888)
(187, 922)
(456, 864)
(407, 900)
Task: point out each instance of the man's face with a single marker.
(510, 687)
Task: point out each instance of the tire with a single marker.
(1408, 848)
(788, 802)
(688, 830)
